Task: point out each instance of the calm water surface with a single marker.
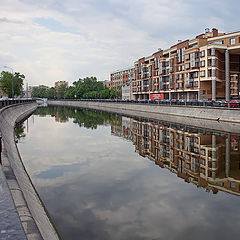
(103, 176)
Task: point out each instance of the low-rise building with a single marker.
(126, 91)
(59, 84)
(106, 84)
(120, 77)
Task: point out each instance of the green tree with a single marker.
(39, 92)
(51, 93)
(61, 91)
(6, 80)
(88, 87)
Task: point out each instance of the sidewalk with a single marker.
(10, 225)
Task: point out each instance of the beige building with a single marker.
(106, 84)
(59, 84)
(120, 77)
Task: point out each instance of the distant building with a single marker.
(126, 91)
(120, 77)
(28, 92)
(42, 86)
(106, 83)
(59, 84)
(3, 94)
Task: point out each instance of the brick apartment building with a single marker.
(206, 67)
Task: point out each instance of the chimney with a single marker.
(215, 32)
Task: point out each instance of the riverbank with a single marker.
(219, 119)
(32, 213)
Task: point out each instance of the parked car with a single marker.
(233, 103)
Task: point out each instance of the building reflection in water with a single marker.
(208, 160)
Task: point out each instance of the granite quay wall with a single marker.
(33, 215)
(219, 119)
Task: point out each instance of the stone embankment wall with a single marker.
(36, 223)
(219, 119)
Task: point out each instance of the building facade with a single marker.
(204, 68)
(122, 77)
(59, 84)
(106, 84)
(126, 91)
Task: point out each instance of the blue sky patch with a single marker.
(51, 24)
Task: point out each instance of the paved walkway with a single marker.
(10, 226)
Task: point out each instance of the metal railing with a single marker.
(174, 102)
(10, 101)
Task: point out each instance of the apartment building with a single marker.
(207, 67)
(121, 80)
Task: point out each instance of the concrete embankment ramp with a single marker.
(34, 218)
(219, 119)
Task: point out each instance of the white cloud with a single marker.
(97, 37)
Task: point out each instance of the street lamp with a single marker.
(12, 81)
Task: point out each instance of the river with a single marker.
(105, 176)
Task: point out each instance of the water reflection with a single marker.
(211, 160)
(83, 117)
(205, 158)
(19, 131)
(92, 177)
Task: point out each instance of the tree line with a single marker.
(82, 117)
(87, 88)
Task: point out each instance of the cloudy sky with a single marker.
(52, 40)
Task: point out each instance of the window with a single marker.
(239, 39)
(213, 62)
(202, 53)
(187, 65)
(212, 73)
(202, 73)
(195, 74)
(213, 52)
(187, 57)
(202, 64)
(232, 184)
(232, 41)
(218, 42)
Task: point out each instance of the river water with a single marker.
(105, 176)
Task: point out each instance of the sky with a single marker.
(57, 40)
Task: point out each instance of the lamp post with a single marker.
(12, 81)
